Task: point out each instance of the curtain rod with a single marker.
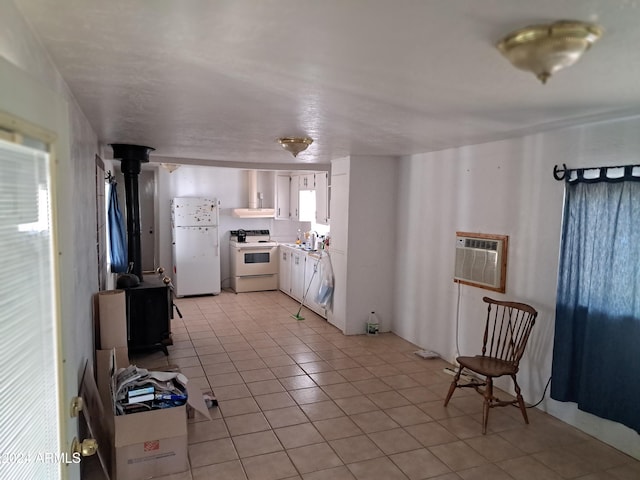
(565, 173)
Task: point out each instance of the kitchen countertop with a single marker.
(293, 245)
(299, 247)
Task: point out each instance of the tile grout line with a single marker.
(315, 335)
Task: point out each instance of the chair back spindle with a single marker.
(507, 329)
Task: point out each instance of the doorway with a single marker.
(101, 225)
(147, 193)
(30, 326)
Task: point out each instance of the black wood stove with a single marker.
(149, 303)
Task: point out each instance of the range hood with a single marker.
(254, 210)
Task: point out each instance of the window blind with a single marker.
(29, 392)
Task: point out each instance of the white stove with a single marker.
(254, 261)
(252, 238)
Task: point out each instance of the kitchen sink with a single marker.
(298, 247)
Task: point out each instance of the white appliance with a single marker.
(254, 261)
(196, 246)
(481, 260)
(254, 203)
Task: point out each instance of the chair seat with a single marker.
(488, 366)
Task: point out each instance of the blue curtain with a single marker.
(596, 353)
(117, 233)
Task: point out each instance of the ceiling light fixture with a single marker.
(171, 167)
(545, 49)
(295, 145)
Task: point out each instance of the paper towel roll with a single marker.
(112, 314)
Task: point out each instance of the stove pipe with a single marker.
(131, 158)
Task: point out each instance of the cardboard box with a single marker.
(151, 444)
(103, 378)
(111, 319)
(148, 444)
(94, 427)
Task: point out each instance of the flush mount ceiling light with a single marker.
(545, 49)
(295, 145)
(171, 167)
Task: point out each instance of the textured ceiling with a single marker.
(219, 81)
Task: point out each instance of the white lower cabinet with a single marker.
(285, 270)
(297, 277)
(312, 277)
(297, 274)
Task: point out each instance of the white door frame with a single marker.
(45, 115)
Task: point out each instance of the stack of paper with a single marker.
(137, 389)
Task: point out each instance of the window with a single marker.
(307, 206)
(28, 327)
(597, 331)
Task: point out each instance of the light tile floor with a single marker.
(299, 400)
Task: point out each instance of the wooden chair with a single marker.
(506, 331)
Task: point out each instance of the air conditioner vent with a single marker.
(481, 260)
(481, 244)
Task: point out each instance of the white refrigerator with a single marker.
(196, 246)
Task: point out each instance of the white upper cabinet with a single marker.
(322, 197)
(307, 182)
(283, 196)
(303, 197)
(294, 200)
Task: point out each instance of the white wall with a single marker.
(372, 236)
(363, 206)
(34, 91)
(507, 188)
(339, 200)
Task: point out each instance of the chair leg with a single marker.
(521, 404)
(488, 395)
(452, 387)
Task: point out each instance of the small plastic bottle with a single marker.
(373, 325)
(299, 237)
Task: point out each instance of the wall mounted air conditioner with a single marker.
(481, 260)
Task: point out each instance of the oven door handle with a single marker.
(266, 249)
